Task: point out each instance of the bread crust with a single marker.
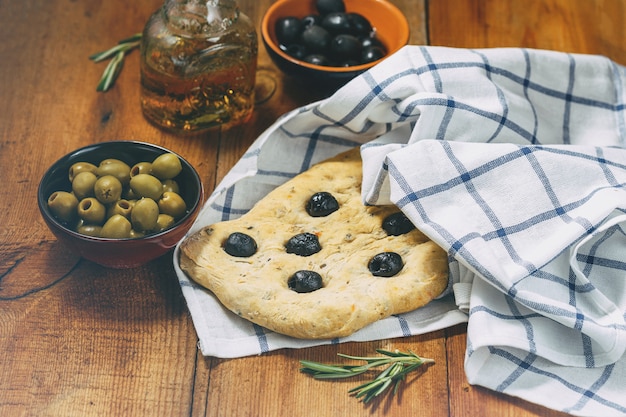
(256, 289)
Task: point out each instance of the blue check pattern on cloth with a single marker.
(513, 161)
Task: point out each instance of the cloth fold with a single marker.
(512, 160)
(514, 232)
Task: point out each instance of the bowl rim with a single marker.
(403, 25)
(49, 218)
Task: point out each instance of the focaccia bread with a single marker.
(250, 263)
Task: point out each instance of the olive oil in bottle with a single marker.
(198, 65)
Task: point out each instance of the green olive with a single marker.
(141, 168)
(144, 215)
(79, 167)
(123, 207)
(146, 185)
(164, 221)
(107, 189)
(83, 183)
(63, 205)
(89, 230)
(116, 227)
(129, 194)
(113, 200)
(91, 210)
(135, 234)
(119, 169)
(171, 185)
(166, 166)
(172, 204)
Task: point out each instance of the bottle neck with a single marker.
(200, 17)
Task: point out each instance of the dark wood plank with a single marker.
(280, 389)
(591, 27)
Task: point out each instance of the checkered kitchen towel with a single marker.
(512, 160)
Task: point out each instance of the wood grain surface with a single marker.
(81, 340)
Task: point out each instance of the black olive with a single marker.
(385, 264)
(303, 244)
(321, 204)
(349, 63)
(316, 38)
(240, 245)
(288, 30)
(310, 20)
(310, 38)
(371, 54)
(345, 47)
(336, 23)
(330, 6)
(305, 281)
(367, 41)
(317, 59)
(295, 50)
(397, 224)
(359, 24)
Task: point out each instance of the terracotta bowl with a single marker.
(119, 253)
(390, 25)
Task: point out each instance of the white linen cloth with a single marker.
(513, 161)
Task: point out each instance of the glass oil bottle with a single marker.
(198, 65)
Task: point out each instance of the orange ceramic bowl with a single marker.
(391, 27)
(119, 253)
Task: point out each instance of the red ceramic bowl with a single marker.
(391, 26)
(119, 253)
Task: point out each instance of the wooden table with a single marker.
(78, 339)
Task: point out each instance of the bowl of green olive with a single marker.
(120, 204)
(332, 41)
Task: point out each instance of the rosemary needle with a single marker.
(398, 365)
(116, 54)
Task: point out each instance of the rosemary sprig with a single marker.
(116, 54)
(398, 363)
